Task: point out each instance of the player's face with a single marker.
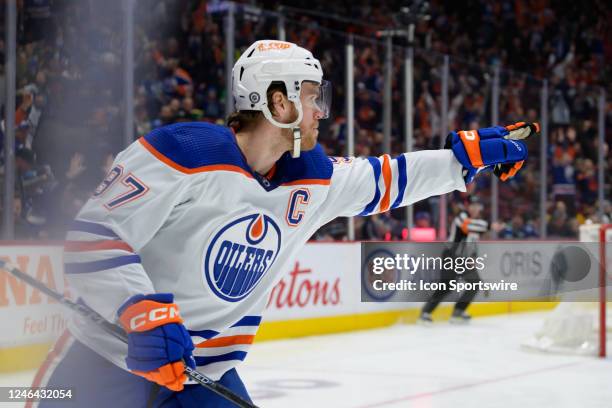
(312, 114)
(475, 210)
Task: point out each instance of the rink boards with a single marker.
(319, 293)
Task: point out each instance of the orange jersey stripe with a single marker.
(386, 172)
(182, 169)
(322, 182)
(465, 225)
(80, 246)
(226, 341)
(471, 142)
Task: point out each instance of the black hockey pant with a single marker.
(466, 298)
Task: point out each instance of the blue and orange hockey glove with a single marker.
(158, 343)
(498, 148)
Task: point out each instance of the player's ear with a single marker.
(280, 105)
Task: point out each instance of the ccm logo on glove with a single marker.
(145, 315)
(159, 345)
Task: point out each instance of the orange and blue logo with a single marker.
(240, 254)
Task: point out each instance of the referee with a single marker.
(465, 232)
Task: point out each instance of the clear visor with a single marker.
(321, 99)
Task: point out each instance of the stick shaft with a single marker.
(118, 332)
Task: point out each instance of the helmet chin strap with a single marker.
(297, 142)
(297, 134)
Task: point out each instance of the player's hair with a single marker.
(247, 119)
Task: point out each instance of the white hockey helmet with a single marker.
(268, 61)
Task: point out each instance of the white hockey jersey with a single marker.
(182, 212)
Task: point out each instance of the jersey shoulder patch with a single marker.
(190, 146)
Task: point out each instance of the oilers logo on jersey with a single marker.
(240, 254)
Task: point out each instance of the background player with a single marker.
(466, 230)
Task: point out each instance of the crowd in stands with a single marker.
(68, 119)
(70, 97)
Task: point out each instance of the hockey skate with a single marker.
(460, 317)
(425, 319)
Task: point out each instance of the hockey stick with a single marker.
(119, 333)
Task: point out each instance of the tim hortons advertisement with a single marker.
(322, 280)
(27, 315)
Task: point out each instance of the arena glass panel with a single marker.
(369, 94)
(70, 104)
(573, 184)
(519, 197)
(254, 24)
(427, 99)
(470, 86)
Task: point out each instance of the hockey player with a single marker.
(187, 235)
(465, 232)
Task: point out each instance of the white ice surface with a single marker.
(479, 365)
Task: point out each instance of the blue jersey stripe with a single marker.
(248, 321)
(401, 181)
(207, 334)
(370, 207)
(234, 355)
(92, 228)
(96, 266)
